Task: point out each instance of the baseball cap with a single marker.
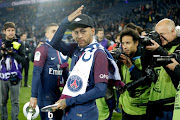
(83, 21)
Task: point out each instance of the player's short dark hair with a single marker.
(50, 25)
(9, 25)
(99, 29)
(129, 32)
(22, 34)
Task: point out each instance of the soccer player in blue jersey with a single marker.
(49, 73)
(89, 68)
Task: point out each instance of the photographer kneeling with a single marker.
(163, 91)
(11, 56)
(131, 71)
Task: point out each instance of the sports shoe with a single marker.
(27, 86)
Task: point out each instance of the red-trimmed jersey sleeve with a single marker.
(40, 56)
(100, 67)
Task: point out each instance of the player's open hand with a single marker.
(172, 65)
(61, 104)
(76, 13)
(33, 102)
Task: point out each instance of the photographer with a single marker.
(12, 56)
(163, 91)
(131, 71)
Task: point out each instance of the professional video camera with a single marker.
(164, 60)
(8, 45)
(146, 40)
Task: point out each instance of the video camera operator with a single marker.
(11, 58)
(131, 70)
(163, 91)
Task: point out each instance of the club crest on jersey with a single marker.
(37, 56)
(74, 83)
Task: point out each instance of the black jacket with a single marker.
(27, 49)
(163, 51)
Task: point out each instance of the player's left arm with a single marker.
(39, 61)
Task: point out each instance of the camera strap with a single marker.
(136, 57)
(159, 102)
(173, 48)
(164, 38)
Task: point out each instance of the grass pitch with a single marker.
(25, 94)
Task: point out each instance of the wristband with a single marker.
(131, 68)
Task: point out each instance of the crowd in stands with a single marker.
(111, 15)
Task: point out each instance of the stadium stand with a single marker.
(109, 14)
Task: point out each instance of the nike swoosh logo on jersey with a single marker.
(52, 58)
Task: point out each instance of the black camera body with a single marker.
(8, 45)
(116, 53)
(164, 60)
(149, 74)
(146, 40)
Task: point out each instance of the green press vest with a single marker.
(129, 104)
(163, 88)
(102, 108)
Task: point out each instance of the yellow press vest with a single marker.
(129, 104)
(102, 108)
(163, 88)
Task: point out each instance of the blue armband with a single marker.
(131, 68)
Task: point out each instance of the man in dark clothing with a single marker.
(27, 50)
